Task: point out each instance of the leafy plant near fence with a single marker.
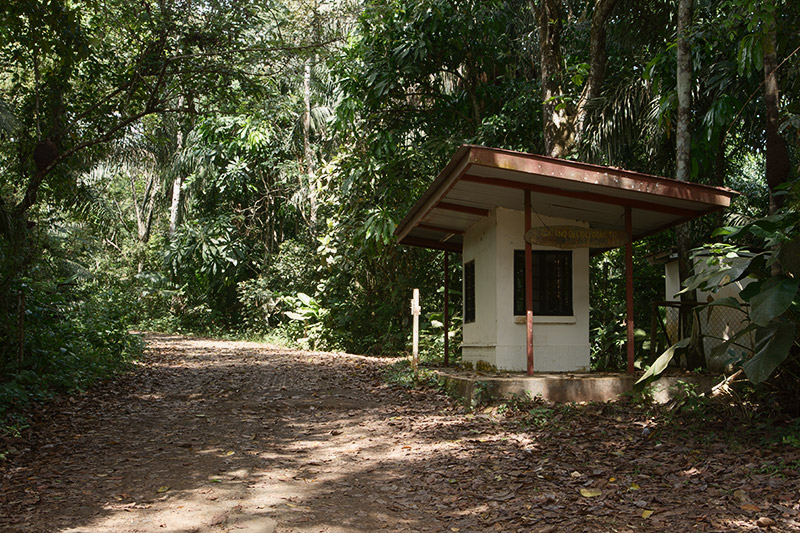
(773, 310)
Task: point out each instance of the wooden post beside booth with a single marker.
(415, 310)
(446, 310)
(528, 285)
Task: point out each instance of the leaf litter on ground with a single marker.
(210, 425)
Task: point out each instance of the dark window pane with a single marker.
(469, 292)
(552, 283)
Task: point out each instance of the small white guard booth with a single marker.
(526, 226)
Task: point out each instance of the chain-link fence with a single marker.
(710, 325)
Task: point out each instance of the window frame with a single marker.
(564, 304)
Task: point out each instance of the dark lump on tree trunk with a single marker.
(44, 154)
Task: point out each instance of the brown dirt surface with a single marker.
(220, 436)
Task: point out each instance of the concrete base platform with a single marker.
(566, 387)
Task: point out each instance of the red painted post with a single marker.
(629, 286)
(529, 284)
(446, 310)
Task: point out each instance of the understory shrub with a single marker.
(73, 336)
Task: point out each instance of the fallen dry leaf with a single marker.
(765, 522)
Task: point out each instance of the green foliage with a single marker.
(260, 305)
(74, 336)
(286, 214)
(207, 258)
(607, 296)
(533, 410)
(400, 373)
(772, 297)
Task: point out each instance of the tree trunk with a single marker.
(144, 214)
(777, 156)
(683, 162)
(597, 62)
(563, 125)
(307, 152)
(177, 185)
(683, 137)
(558, 136)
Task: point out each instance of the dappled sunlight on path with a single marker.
(218, 436)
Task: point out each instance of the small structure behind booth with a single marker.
(712, 325)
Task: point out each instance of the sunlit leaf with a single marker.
(660, 364)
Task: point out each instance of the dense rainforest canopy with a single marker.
(239, 166)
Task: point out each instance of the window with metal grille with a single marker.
(552, 283)
(469, 292)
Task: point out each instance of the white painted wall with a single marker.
(560, 344)
(480, 337)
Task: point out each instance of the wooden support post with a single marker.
(21, 328)
(446, 310)
(528, 285)
(629, 287)
(654, 319)
(415, 336)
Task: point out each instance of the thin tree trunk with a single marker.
(683, 162)
(144, 237)
(146, 224)
(137, 207)
(177, 184)
(683, 136)
(308, 153)
(777, 157)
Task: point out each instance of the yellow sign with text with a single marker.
(570, 237)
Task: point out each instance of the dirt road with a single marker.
(218, 436)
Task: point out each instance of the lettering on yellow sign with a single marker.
(570, 237)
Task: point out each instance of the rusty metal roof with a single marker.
(478, 179)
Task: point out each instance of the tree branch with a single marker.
(297, 48)
(35, 182)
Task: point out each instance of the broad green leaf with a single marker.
(728, 301)
(751, 290)
(296, 316)
(772, 347)
(727, 231)
(774, 299)
(663, 360)
(305, 298)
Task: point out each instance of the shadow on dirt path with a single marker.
(220, 436)
(215, 436)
